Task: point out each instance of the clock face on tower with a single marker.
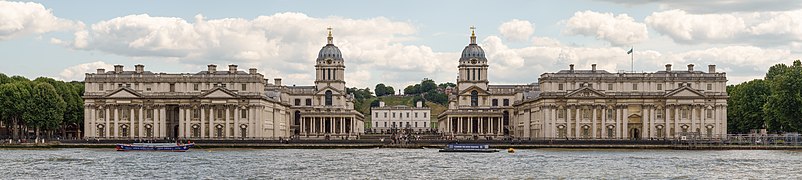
(473, 61)
(328, 61)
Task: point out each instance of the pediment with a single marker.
(585, 92)
(219, 93)
(124, 93)
(322, 91)
(468, 91)
(684, 92)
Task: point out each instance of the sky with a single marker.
(398, 42)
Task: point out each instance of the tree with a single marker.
(380, 89)
(46, 110)
(389, 90)
(745, 110)
(446, 84)
(783, 108)
(4, 79)
(410, 90)
(427, 85)
(14, 103)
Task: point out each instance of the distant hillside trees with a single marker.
(429, 91)
(383, 90)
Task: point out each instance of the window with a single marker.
(610, 132)
(684, 113)
(243, 113)
(128, 85)
(101, 132)
(376, 115)
(634, 86)
(328, 98)
(709, 132)
(124, 130)
(560, 87)
(196, 86)
(100, 87)
(495, 102)
(195, 113)
(393, 115)
(119, 85)
(660, 132)
(172, 87)
(220, 113)
(244, 86)
(424, 115)
(385, 124)
(407, 115)
(147, 89)
(709, 113)
(610, 87)
(506, 102)
(416, 124)
(385, 115)
(309, 102)
(297, 102)
(659, 87)
(709, 87)
(474, 98)
(416, 115)
(561, 113)
(659, 114)
(149, 114)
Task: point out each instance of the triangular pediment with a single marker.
(585, 92)
(685, 92)
(123, 93)
(219, 93)
(322, 91)
(479, 91)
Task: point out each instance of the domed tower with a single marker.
(472, 66)
(330, 67)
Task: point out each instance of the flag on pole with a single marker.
(630, 51)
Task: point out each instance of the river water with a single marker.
(397, 164)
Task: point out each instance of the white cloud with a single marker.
(26, 18)
(516, 30)
(759, 28)
(718, 6)
(76, 73)
(617, 29)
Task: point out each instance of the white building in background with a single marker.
(415, 118)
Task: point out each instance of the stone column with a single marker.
(652, 130)
(553, 128)
(130, 123)
(593, 120)
(203, 122)
(116, 122)
(618, 124)
(163, 120)
(604, 123)
(107, 118)
(236, 121)
(723, 122)
(228, 122)
(212, 118)
(87, 120)
(577, 119)
(625, 120)
(181, 122)
(141, 123)
(459, 125)
(677, 118)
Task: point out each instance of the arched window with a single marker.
(474, 98)
(328, 97)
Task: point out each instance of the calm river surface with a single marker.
(397, 164)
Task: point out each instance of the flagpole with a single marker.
(632, 60)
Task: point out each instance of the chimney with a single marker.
(118, 69)
(101, 71)
(252, 71)
(668, 67)
(711, 68)
(212, 68)
(690, 67)
(232, 69)
(419, 104)
(277, 81)
(593, 67)
(572, 67)
(139, 68)
(381, 103)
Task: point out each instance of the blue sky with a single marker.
(397, 42)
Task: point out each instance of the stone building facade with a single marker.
(387, 118)
(208, 104)
(596, 104)
(215, 104)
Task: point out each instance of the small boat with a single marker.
(176, 147)
(478, 148)
(511, 150)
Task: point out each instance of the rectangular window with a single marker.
(609, 114)
(560, 87)
(147, 89)
(172, 87)
(220, 113)
(385, 115)
(385, 124)
(634, 86)
(100, 87)
(393, 115)
(495, 102)
(416, 115)
(244, 86)
(659, 87)
(709, 113)
(376, 115)
(243, 113)
(195, 113)
(561, 113)
(149, 114)
(506, 102)
(684, 113)
(424, 115)
(297, 102)
(659, 114)
(610, 87)
(128, 85)
(407, 115)
(709, 87)
(309, 102)
(196, 86)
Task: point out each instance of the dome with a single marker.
(330, 51)
(473, 51)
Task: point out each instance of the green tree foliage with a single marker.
(47, 110)
(14, 103)
(784, 106)
(380, 89)
(360, 94)
(428, 90)
(43, 104)
(427, 85)
(746, 102)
